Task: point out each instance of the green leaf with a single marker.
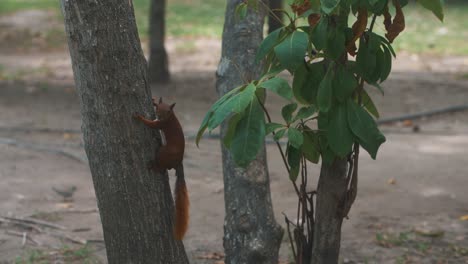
(279, 86)
(232, 124)
(324, 95)
(389, 45)
(369, 104)
(299, 79)
(203, 127)
(287, 111)
(329, 5)
(270, 127)
(377, 72)
(295, 137)
(366, 61)
(365, 128)
(310, 146)
(279, 134)
(305, 112)
(320, 34)
(306, 82)
(386, 64)
(344, 83)
(376, 85)
(291, 51)
(209, 114)
(436, 6)
(336, 43)
(328, 156)
(241, 11)
(340, 137)
(249, 136)
(294, 161)
(268, 44)
(234, 104)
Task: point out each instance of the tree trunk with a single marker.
(328, 212)
(158, 62)
(274, 20)
(251, 233)
(135, 204)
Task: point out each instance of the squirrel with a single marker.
(170, 156)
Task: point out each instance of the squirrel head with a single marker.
(163, 111)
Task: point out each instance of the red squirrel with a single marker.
(170, 156)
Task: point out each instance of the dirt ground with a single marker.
(410, 204)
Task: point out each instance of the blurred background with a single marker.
(412, 205)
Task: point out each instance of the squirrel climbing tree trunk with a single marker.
(135, 203)
(251, 233)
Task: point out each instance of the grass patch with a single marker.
(205, 18)
(66, 254)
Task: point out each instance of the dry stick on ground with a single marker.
(24, 235)
(35, 222)
(21, 224)
(76, 240)
(40, 147)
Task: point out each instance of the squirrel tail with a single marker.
(181, 205)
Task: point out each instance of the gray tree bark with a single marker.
(251, 233)
(331, 191)
(274, 20)
(135, 203)
(158, 66)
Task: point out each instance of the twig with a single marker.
(278, 144)
(16, 143)
(289, 235)
(69, 238)
(76, 211)
(23, 235)
(23, 225)
(36, 222)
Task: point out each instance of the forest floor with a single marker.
(410, 204)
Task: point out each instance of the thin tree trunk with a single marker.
(158, 61)
(251, 233)
(135, 204)
(275, 17)
(329, 212)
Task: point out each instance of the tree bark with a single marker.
(331, 191)
(158, 61)
(135, 204)
(251, 233)
(274, 20)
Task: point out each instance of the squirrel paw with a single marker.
(137, 116)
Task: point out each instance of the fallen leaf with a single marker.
(429, 232)
(464, 217)
(391, 181)
(407, 123)
(212, 255)
(65, 205)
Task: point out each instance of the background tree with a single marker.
(158, 65)
(135, 203)
(275, 16)
(251, 233)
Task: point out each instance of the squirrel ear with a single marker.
(160, 100)
(172, 106)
